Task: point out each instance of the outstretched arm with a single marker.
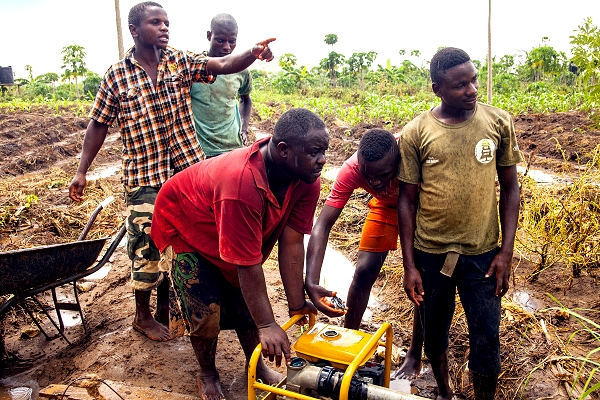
(317, 244)
(407, 223)
(233, 63)
(95, 135)
(509, 215)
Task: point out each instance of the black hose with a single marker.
(330, 382)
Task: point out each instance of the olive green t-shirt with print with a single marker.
(455, 166)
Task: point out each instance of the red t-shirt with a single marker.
(224, 209)
(349, 179)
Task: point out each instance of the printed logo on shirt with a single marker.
(484, 151)
(431, 160)
(516, 147)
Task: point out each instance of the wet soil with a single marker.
(40, 143)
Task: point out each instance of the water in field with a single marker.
(100, 274)
(336, 275)
(544, 177)
(104, 172)
(527, 301)
(69, 317)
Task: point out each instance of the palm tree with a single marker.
(331, 39)
(29, 69)
(74, 64)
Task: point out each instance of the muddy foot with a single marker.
(447, 394)
(209, 387)
(267, 375)
(411, 367)
(162, 316)
(152, 329)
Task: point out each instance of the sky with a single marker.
(36, 31)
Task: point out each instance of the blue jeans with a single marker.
(477, 295)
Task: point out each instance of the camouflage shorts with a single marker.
(145, 257)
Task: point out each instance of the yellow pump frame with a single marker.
(360, 359)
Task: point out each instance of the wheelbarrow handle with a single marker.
(88, 226)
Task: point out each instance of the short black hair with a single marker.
(294, 124)
(375, 144)
(445, 59)
(137, 12)
(225, 20)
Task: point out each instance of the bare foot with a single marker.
(267, 375)
(209, 387)
(445, 394)
(162, 315)
(411, 367)
(152, 329)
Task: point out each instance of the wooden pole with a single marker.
(119, 30)
(489, 57)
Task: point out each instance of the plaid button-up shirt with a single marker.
(156, 123)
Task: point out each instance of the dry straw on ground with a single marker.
(35, 210)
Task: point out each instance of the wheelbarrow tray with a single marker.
(27, 269)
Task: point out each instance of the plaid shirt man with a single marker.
(156, 124)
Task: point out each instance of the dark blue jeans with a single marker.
(477, 295)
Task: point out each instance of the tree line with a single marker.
(540, 69)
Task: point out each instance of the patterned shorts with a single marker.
(203, 302)
(145, 257)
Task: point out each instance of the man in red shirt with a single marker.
(217, 222)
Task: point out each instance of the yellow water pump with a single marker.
(332, 362)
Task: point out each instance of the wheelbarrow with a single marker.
(28, 272)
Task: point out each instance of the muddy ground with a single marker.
(38, 155)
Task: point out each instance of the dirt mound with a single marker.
(555, 138)
(31, 142)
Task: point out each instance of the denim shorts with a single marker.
(478, 298)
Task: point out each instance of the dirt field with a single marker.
(38, 156)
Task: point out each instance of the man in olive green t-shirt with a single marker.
(222, 125)
(450, 157)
